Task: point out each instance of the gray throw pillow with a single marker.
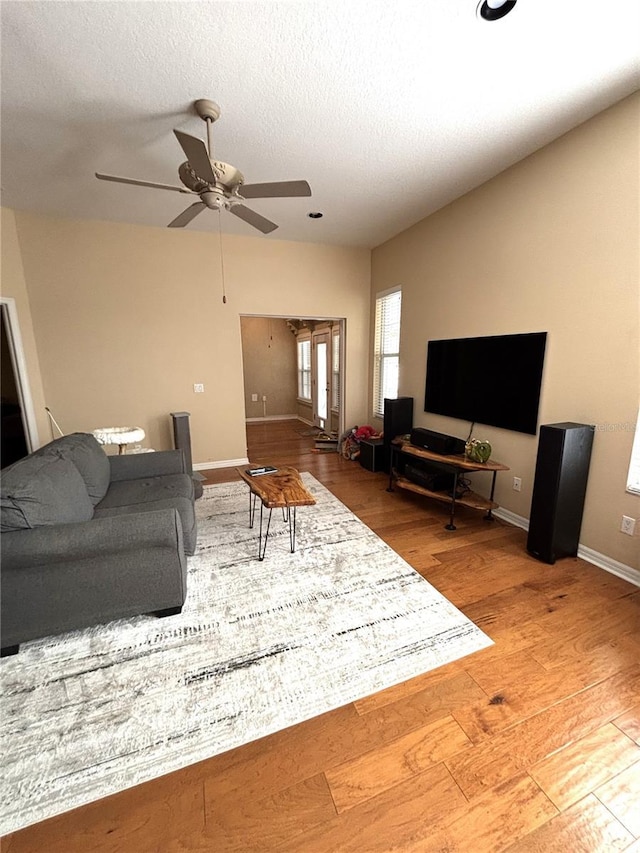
(87, 455)
(42, 490)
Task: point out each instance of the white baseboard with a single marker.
(221, 463)
(602, 561)
(272, 418)
(623, 571)
(511, 517)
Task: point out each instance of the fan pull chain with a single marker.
(224, 294)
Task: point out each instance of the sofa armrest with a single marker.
(112, 535)
(72, 576)
(137, 465)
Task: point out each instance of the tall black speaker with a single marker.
(182, 441)
(398, 420)
(398, 417)
(562, 469)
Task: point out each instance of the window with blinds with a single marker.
(386, 355)
(304, 369)
(633, 480)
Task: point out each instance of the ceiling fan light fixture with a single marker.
(213, 199)
(493, 10)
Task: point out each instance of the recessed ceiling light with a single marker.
(315, 214)
(493, 10)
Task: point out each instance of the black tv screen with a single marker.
(491, 380)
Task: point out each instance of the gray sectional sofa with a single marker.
(88, 538)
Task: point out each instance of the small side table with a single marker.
(120, 436)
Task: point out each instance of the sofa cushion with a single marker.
(169, 491)
(87, 455)
(147, 489)
(42, 490)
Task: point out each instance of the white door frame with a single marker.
(19, 364)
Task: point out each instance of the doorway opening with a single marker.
(17, 430)
(293, 367)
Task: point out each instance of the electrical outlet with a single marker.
(517, 484)
(254, 398)
(198, 388)
(628, 525)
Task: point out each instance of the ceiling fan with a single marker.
(218, 185)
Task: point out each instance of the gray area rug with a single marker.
(258, 646)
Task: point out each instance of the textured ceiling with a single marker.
(389, 109)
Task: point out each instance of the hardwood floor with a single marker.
(530, 745)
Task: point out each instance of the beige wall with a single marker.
(14, 287)
(128, 318)
(304, 411)
(551, 244)
(269, 360)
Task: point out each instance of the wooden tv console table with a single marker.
(456, 465)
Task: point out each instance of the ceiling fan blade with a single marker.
(187, 215)
(278, 189)
(197, 155)
(141, 183)
(253, 218)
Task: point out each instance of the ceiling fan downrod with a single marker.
(209, 112)
(209, 141)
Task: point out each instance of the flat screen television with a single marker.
(491, 380)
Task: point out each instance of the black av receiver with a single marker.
(437, 442)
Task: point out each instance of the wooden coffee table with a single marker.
(283, 489)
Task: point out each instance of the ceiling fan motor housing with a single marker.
(190, 179)
(228, 177)
(227, 174)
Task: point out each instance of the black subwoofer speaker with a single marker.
(560, 485)
(372, 454)
(398, 420)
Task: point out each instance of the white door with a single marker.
(321, 386)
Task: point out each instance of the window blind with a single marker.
(335, 371)
(386, 360)
(304, 369)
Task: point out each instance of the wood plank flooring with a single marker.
(530, 745)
